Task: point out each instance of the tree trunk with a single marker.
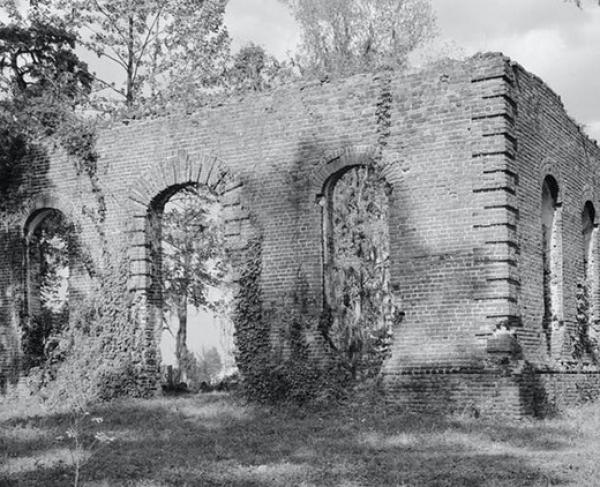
(130, 67)
(181, 346)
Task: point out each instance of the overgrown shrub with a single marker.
(359, 311)
(251, 334)
(99, 355)
(583, 342)
(289, 372)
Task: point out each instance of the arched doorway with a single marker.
(356, 274)
(191, 286)
(47, 273)
(552, 259)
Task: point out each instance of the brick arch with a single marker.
(48, 201)
(160, 181)
(337, 161)
(179, 170)
(147, 197)
(36, 212)
(586, 194)
(333, 166)
(591, 255)
(549, 167)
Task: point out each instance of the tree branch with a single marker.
(107, 85)
(146, 41)
(111, 20)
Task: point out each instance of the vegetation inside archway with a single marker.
(358, 270)
(551, 257)
(584, 337)
(196, 290)
(48, 287)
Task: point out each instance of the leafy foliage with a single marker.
(49, 272)
(358, 322)
(192, 248)
(251, 333)
(193, 259)
(295, 374)
(202, 368)
(194, 52)
(289, 373)
(167, 50)
(99, 355)
(42, 77)
(584, 342)
(14, 151)
(43, 83)
(39, 61)
(341, 37)
(253, 69)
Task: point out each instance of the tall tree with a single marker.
(209, 364)
(192, 259)
(43, 83)
(341, 37)
(167, 50)
(253, 69)
(40, 61)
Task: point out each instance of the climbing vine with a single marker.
(287, 371)
(583, 343)
(358, 317)
(251, 334)
(99, 355)
(98, 351)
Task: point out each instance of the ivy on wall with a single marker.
(287, 371)
(100, 355)
(251, 333)
(583, 344)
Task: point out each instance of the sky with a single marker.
(551, 38)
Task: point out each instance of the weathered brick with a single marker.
(465, 147)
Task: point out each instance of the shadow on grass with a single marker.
(212, 440)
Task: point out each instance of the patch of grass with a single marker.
(214, 440)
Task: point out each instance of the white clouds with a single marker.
(593, 129)
(471, 21)
(551, 38)
(537, 50)
(264, 22)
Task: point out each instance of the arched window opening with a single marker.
(551, 256)
(587, 224)
(193, 290)
(47, 284)
(586, 284)
(357, 268)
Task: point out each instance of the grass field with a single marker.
(215, 440)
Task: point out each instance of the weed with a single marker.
(212, 439)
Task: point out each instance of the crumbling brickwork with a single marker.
(465, 148)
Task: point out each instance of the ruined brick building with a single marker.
(493, 227)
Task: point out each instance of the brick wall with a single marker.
(465, 147)
(550, 144)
